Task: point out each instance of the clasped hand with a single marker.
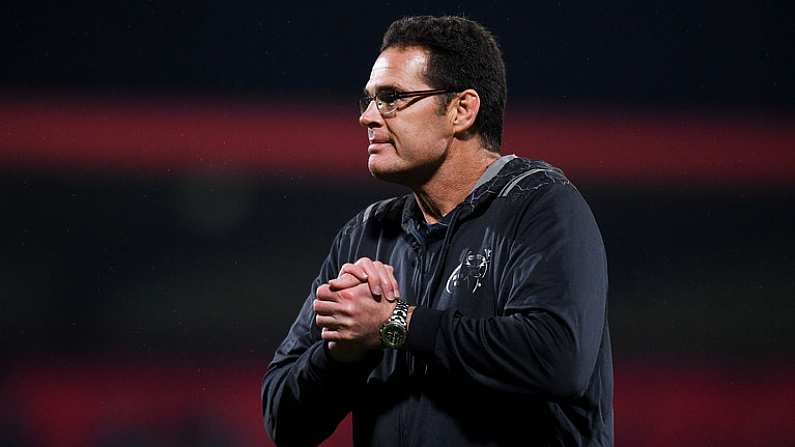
(351, 308)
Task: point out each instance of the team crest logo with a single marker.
(471, 271)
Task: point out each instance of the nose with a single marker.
(371, 117)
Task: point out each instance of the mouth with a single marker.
(376, 142)
(376, 146)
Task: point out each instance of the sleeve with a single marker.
(553, 291)
(306, 393)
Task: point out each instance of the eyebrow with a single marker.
(381, 88)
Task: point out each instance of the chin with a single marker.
(381, 172)
(386, 170)
(396, 170)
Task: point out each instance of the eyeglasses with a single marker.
(387, 100)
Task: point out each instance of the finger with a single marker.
(325, 307)
(385, 281)
(395, 286)
(345, 281)
(373, 277)
(325, 293)
(335, 333)
(354, 270)
(388, 282)
(331, 335)
(327, 322)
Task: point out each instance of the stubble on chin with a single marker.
(385, 171)
(377, 169)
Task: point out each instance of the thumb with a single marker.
(345, 281)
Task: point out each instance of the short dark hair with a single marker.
(462, 54)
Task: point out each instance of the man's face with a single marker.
(409, 146)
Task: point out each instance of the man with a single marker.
(469, 312)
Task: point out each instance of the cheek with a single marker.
(420, 137)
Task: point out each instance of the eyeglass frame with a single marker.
(363, 106)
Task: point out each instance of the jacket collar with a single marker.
(496, 177)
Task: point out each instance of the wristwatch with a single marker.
(394, 330)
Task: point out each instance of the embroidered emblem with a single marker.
(471, 271)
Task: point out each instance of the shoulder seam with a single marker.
(372, 208)
(367, 211)
(508, 187)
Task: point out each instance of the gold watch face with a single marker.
(393, 335)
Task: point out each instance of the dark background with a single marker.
(173, 173)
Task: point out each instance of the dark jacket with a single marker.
(509, 344)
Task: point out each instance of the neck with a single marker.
(452, 181)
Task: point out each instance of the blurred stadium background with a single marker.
(173, 173)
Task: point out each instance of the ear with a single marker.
(465, 108)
